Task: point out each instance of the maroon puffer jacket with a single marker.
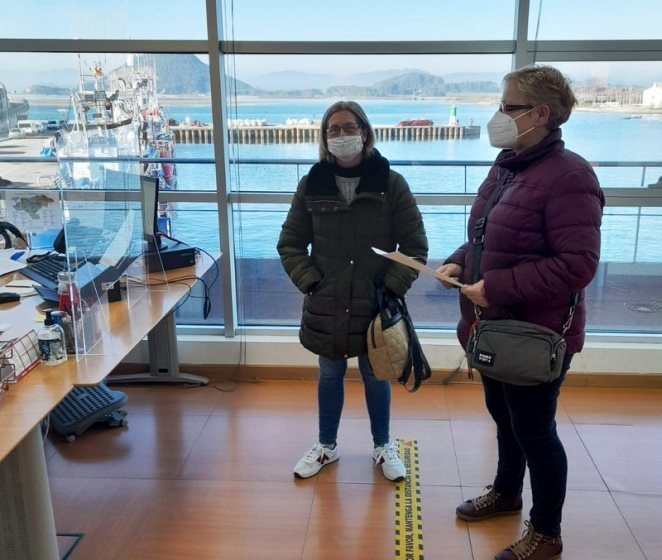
(542, 241)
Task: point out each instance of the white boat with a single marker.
(116, 115)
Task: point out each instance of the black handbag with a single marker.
(509, 350)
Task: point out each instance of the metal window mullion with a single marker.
(598, 56)
(523, 54)
(597, 51)
(630, 197)
(367, 47)
(222, 169)
(104, 46)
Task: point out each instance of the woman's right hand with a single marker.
(451, 270)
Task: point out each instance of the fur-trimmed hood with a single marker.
(374, 172)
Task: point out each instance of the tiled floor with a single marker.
(203, 473)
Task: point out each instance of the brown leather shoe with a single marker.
(532, 546)
(488, 505)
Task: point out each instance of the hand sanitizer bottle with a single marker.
(51, 342)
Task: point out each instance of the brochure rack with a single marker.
(17, 357)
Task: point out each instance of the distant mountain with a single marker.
(18, 80)
(369, 78)
(289, 80)
(303, 93)
(472, 87)
(187, 74)
(417, 83)
(349, 92)
(474, 77)
(47, 90)
(176, 74)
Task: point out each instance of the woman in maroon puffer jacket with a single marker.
(542, 245)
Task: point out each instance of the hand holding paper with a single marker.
(411, 263)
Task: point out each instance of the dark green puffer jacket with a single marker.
(341, 273)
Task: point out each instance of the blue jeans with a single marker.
(331, 397)
(526, 434)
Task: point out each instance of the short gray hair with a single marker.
(361, 118)
(545, 85)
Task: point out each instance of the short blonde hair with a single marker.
(545, 85)
(361, 119)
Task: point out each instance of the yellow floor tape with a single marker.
(408, 518)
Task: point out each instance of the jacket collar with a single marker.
(511, 161)
(374, 172)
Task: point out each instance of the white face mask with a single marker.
(345, 148)
(502, 130)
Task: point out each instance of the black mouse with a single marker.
(7, 297)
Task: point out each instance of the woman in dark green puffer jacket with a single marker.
(349, 202)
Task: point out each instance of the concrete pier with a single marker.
(295, 134)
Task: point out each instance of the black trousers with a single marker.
(526, 435)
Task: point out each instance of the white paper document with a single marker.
(412, 263)
(7, 264)
(21, 287)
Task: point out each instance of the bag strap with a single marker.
(389, 310)
(479, 240)
(419, 362)
(481, 225)
(392, 309)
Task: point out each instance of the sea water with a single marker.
(629, 234)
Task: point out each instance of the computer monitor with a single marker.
(149, 201)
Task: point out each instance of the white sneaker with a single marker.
(316, 457)
(392, 466)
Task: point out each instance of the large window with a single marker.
(562, 20)
(121, 19)
(390, 20)
(243, 97)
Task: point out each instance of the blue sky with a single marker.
(337, 20)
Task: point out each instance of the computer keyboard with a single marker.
(45, 271)
(92, 277)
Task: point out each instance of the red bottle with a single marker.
(68, 295)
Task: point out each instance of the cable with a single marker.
(454, 372)
(40, 257)
(206, 310)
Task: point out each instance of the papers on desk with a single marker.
(411, 263)
(21, 287)
(7, 264)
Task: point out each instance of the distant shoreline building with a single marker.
(601, 94)
(4, 111)
(652, 97)
(11, 111)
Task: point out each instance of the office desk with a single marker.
(24, 493)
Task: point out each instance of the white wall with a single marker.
(442, 351)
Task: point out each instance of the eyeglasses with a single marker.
(505, 108)
(351, 129)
